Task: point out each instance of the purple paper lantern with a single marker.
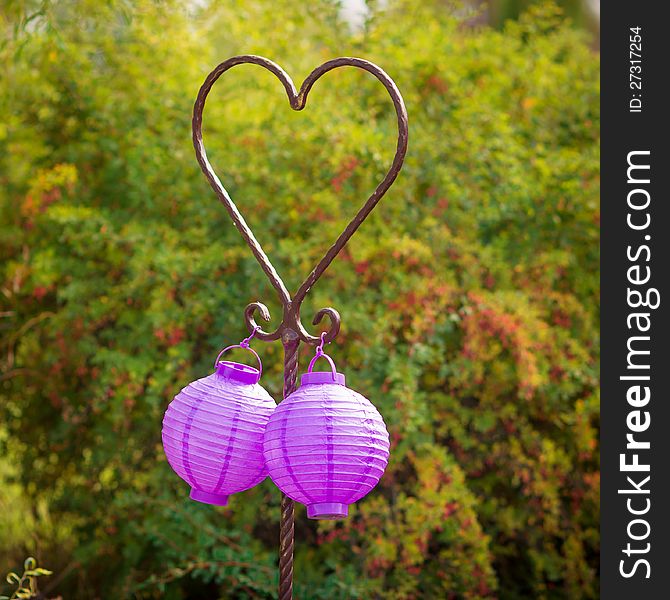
(213, 431)
(326, 445)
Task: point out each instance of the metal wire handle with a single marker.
(258, 358)
(244, 344)
(321, 354)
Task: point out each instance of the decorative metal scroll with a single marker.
(297, 100)
(291, 330)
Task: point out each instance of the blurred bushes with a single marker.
(469, 298)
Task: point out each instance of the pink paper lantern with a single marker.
(213, 431)
(326, 445)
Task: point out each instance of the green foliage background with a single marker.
(469, 299)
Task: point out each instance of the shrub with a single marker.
(469, 299)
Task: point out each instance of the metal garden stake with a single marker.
(291, 330)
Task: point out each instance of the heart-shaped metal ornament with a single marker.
(297, 100)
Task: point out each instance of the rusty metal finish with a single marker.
(286, 540)
(291, 342)
(291, 330)
(297, 101)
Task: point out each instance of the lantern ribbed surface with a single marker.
(326, 445)
(213, 432)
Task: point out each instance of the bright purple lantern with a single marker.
(325, 445)
(213, 431)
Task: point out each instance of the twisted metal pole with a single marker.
(291, 330)
(291, 343)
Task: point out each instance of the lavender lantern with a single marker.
(213, 430)
(325, 445)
